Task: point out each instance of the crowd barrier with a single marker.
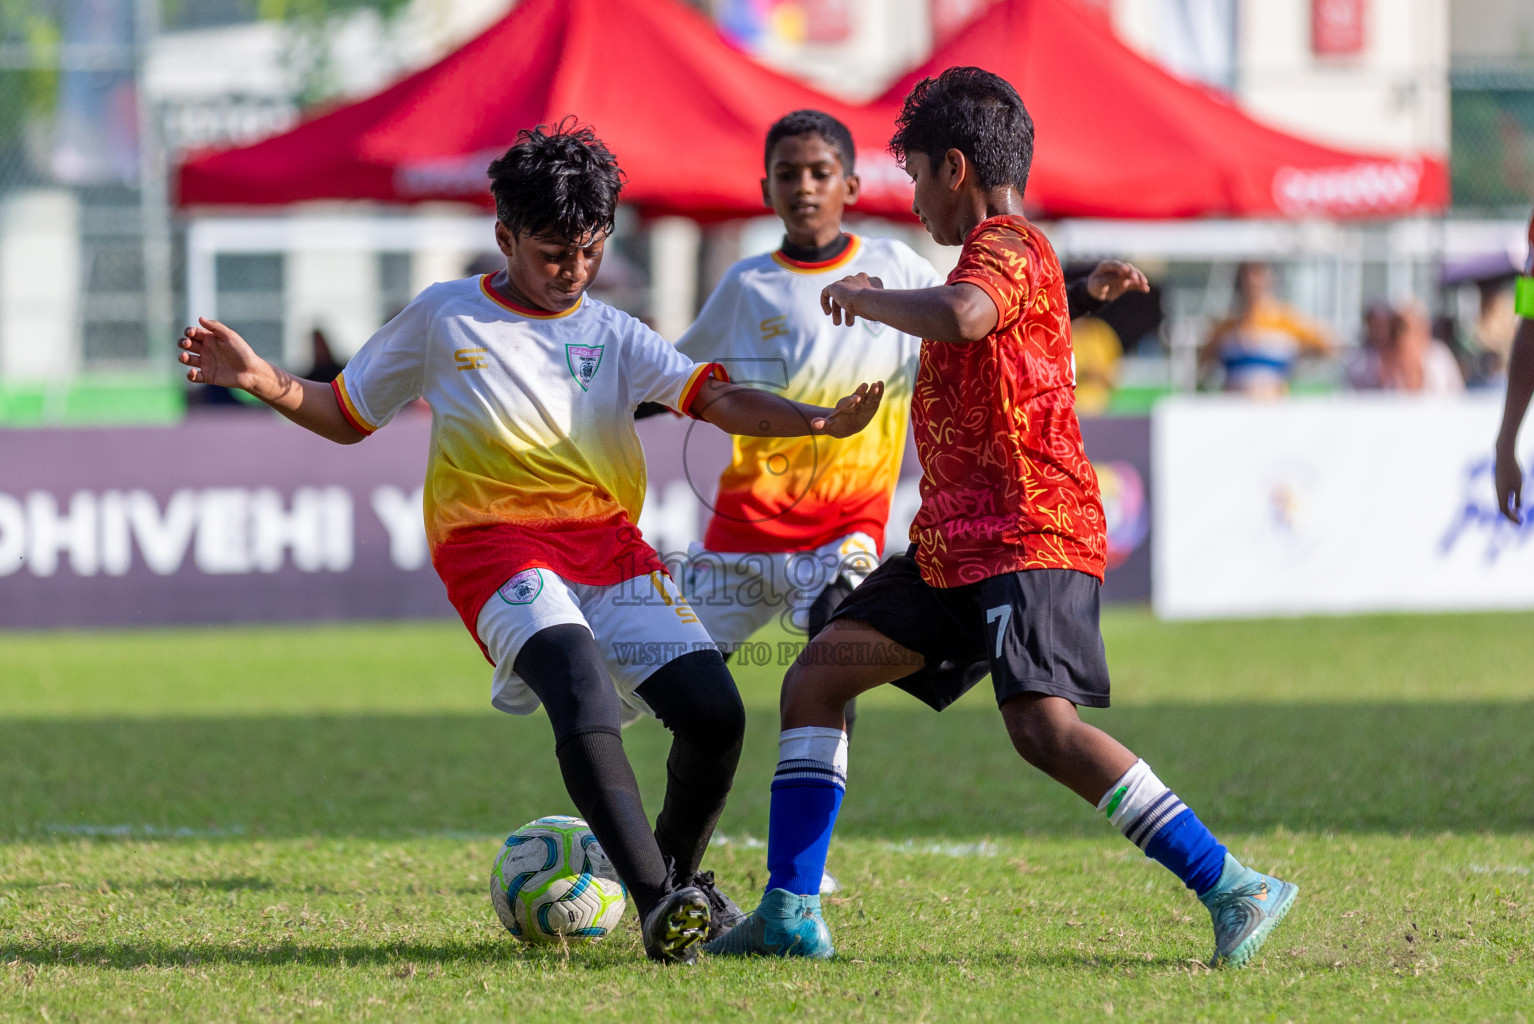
(238, 516)
(1348, 504)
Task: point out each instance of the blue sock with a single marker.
(807, 793)
(1152, 817)
(1188, 850)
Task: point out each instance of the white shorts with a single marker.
(639, 624)
(735, 594)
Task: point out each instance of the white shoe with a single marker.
(828, 883)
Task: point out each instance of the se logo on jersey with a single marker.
(584, 360)
(469, 358)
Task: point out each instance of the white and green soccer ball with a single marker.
(552, 882)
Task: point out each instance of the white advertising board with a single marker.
(1332, 505)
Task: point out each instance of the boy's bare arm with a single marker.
(1520, 388)
(737, 409)
(217, 355)
(952, 312)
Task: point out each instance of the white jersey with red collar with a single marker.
(534, 460)
(764, 324)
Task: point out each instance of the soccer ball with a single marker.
(552, 882)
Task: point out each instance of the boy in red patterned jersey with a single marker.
(1009, 548)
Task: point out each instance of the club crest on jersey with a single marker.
(523, 588)
(584, 361)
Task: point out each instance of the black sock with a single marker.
(563, 666)
(696, 699)
(697, 783)
(604, 789)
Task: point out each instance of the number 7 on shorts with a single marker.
(1003, 614)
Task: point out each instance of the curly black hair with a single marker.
(556, 180)
(976, 112)
(812, 122)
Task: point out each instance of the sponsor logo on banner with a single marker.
(452, 175)
(1364, 187)
(1478, 520)
(1124, 508)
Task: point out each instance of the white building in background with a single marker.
(1358, 74)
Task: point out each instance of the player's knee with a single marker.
(1036, 735)
(803, 686)
(695, 697)
(563, 666)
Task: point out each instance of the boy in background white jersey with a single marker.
(533, 488)
(799, 522)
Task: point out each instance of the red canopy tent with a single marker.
(1116, 136)
(683, 112)
(685, 115)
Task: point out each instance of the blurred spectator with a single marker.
(485, 263)
(1363, 368)
(1408, 359)
(1098, 355)
(324, 367)
(1258, 344)
(1492, 335)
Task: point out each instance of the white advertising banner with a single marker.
(1331, 505)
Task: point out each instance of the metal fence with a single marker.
(1492, 142)
(86, 260)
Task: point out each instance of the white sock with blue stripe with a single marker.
(807, 793)
(1152, 817)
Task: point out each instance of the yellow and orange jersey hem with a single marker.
(348, 409)
(835, 263)
(494, 295)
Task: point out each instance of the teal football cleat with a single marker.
(784, 925)
(1246, 905)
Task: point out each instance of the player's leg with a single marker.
(808, 786)
(827, 577)
(889, 630)
(695, 697)
(544, 651)
(1047, 658)
(821, 609)
(689, 689)
(564, 667)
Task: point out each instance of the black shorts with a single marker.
(1034, 631)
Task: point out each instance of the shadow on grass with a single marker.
(238, 883)
(408, 957)
(1413, 767)
(130, 955)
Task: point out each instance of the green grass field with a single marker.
(298, 824)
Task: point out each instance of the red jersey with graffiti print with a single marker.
(1006, 484)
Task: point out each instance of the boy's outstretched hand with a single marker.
(853, 412)
(217, 355)
(836, 299)
(1112, 278)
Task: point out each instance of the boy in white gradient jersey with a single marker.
(798, 522)
(533, 488)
